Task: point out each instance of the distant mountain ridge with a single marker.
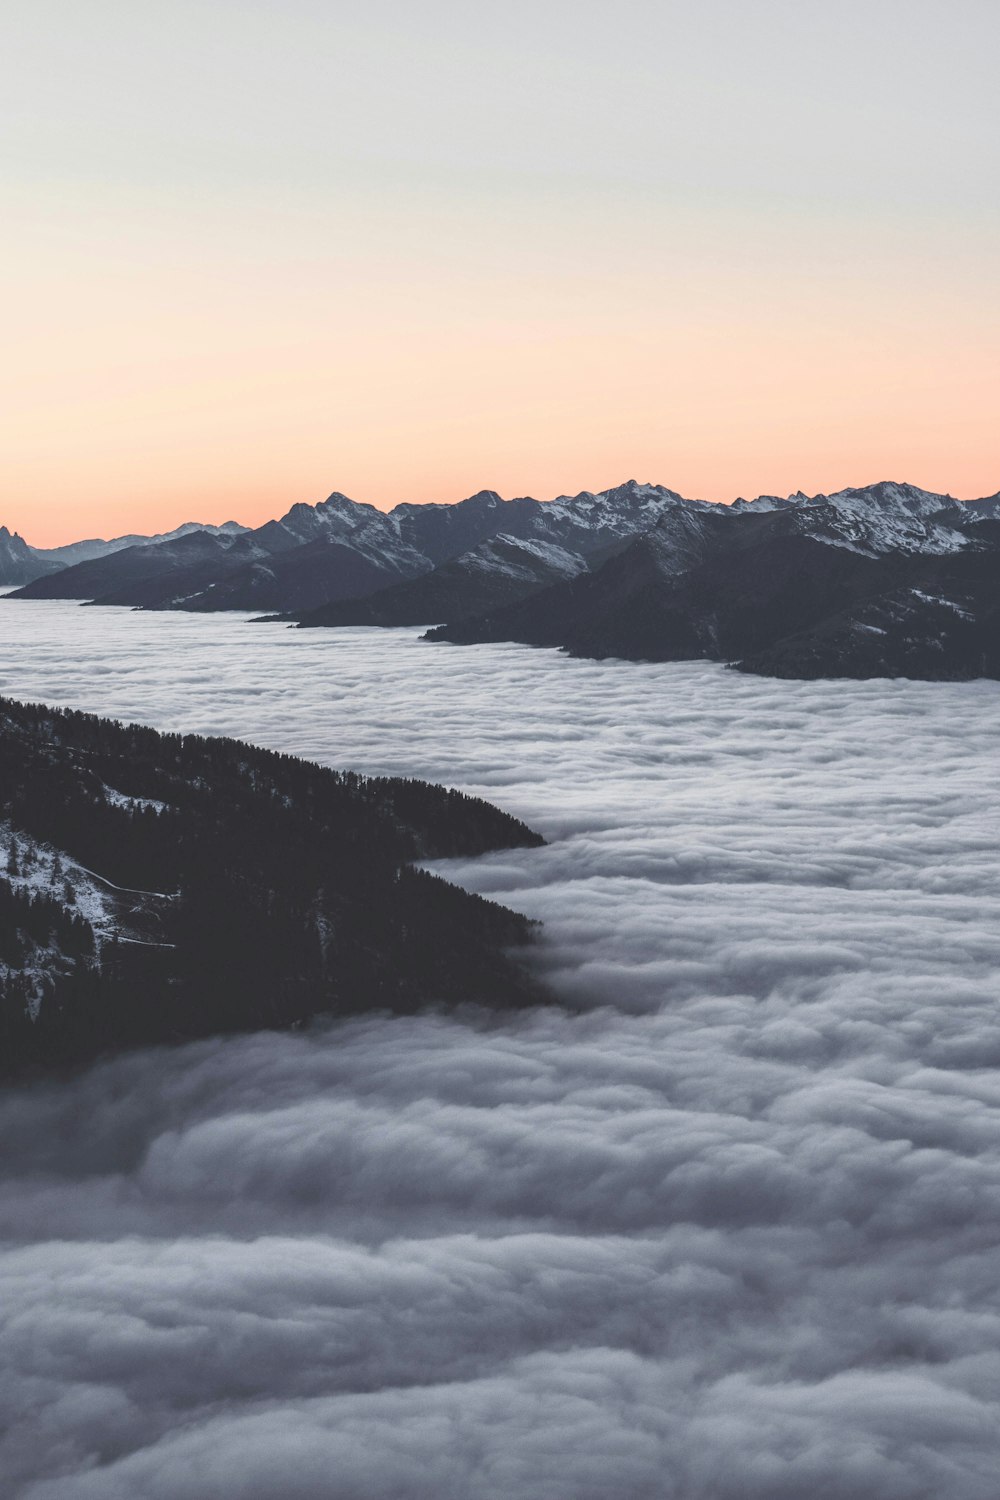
(74, 552)
(342, 549)
(888, 581)
(592, 572)
(21, 564)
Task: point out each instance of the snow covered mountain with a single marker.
(879, 518)
(412, 540)
(430, 563)
(340, 549)
(884, 581)
(590, 528)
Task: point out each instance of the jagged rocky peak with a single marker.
(887, 494)
(891, 495)
(875, 518)
(624, 510)
(481, 500)
(342, 549)
(336, 501)
(334, 505)
(19, 563)
(767, 502)
(628, 493)
(338, 515)
(634, 488)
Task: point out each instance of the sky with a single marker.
(255, 253)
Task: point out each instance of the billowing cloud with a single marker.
(719, 1226)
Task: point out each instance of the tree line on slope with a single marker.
(244, 888)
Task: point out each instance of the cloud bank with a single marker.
(722, 1227)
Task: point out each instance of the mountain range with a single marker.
(20, 564)
(341, 549)
(888, 579)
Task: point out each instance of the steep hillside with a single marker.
(158, 887)
(499, 571)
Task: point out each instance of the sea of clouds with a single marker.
(723, 1225)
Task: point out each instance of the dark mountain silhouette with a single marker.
(632, 571)
(138, 574)
(19, 563)
(341, 550)
(84, 551)
(160, 887)
(499, 571)
(872, 584)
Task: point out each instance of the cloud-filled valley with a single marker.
(721, 1225)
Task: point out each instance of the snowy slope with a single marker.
(341, 550)
(875, 519)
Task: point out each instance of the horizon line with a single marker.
(487, 490)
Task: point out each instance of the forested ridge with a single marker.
(235, 888)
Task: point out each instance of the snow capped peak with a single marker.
(336, 513)
(632, 490)
(333, 505)
(876, 518)
(887, 494)
(624, 510)
(886, 517)
(766, 502)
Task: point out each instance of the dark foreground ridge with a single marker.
(160, 888)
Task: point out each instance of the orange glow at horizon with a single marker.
(212, 391)
(711, 417)
(47, 523)
(162, 383)
(473, 264)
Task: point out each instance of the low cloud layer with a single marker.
(722, 1227)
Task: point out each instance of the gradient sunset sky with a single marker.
(256, 252)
